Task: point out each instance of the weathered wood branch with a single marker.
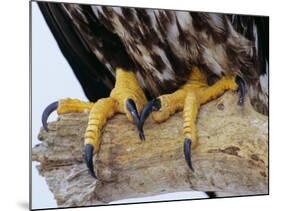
(232, 156)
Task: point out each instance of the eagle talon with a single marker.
(89, 149)
(46, 113)
(242, 89)
(132, 108)
(153, 105)
(187, 150)
(141, 134)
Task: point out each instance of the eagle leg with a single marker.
(188, 99)
(64, 106)
(126, 97)
(164, 106)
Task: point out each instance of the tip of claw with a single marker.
(153, 105)
(89, 149)
(187, 152)
(92, 173)
(141, 135)
(131, 106)
(46, 113)
(241, 101)
(45, 126)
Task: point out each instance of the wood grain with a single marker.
(231, 156)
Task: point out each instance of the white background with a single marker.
(14, 54)
(52, 79)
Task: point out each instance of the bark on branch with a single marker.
(231, 156)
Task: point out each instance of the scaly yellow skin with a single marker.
(101, 111)
(126, 87)
(189, 98)
(69, 105)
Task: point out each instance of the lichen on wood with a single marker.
(231, 156)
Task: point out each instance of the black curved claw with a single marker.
(89, 149)
(242, 89)
(153, 105)
(46, 113)
(187, 152)
(131, 106)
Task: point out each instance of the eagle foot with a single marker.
(64, 106)
(126, 97)
(188, 99)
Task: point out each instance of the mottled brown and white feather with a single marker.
(163, 45)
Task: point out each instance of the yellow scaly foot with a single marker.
(126, 97)
(64, 106)
(189, 98)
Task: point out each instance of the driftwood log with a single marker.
(231, 157)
